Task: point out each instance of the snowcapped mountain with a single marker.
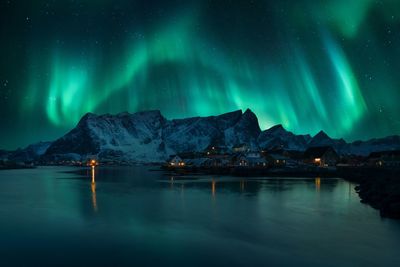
(322, 139)
(277, 137)
(246, 130)
(364, 148)
(29, 153)
(195, 134)
(149, 137)
(133, 137)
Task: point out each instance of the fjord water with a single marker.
(55, 216)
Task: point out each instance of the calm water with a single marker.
(132, 216)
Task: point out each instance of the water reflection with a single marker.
(143, 220)
(250, 186)
(93, 175)
(93, 187)
(318, 184)
(94, 199)
(213, 187)
(241, 185)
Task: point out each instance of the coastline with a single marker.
(377, 187)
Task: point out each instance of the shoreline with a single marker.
(377, 187)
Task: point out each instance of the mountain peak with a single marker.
(149, 137)
(248, 111)
(235, 113)
(85, 118)
(88, 115)
(152, 111)
(250, 115)
(275, 128)
(321, 134)
(251, 120)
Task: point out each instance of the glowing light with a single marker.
(216, 84)
(352, 102)
(307, 76)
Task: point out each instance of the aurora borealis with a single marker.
(309, 64)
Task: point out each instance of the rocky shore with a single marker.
(379, 188)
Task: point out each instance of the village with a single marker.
(241, 160)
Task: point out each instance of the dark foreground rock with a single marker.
(379, 188)
(382, 194)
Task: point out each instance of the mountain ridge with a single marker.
(147, 136)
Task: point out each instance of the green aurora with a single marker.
(308, 65)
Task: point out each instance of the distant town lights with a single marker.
(93, 163)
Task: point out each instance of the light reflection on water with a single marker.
(132, 216)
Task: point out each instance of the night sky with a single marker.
(307, 64)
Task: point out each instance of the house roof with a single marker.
(278, 157)
(196, 162)
(317, 152)
(174, 158)
(240, 145)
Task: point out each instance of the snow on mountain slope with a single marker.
(246, 130)
(195, 134)
(277, 137)
(149, 137)
(322, 139)
(29, 153)
(364, 148)
(135, 137)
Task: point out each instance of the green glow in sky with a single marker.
(217, 85)
(308, 65)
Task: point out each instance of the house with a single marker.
(322, 156)
(218, 162)
(293, 154)
(276, 160)
(212, 150)
(241, 148)
(176, 161)
(384, 159)
(197, 162)
(351, 161)
(375, 159)
(252, 159)
(253, 154)
(91, 160)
